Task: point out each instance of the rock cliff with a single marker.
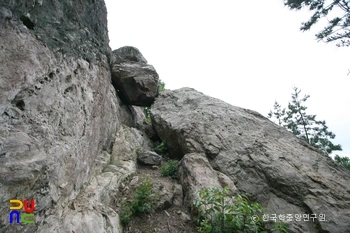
(68, 137)
(59, 113)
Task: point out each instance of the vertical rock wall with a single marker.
(58, 109)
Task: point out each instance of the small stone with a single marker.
(134, 181)
(149, 157)
(185, 217)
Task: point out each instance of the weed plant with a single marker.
(169, 169)
(161, 148)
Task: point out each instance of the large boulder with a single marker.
(135, 80)
(264, 161)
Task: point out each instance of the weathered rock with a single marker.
(134, 181)
(149, 158)
(196, 174)
(135, 80)
(78, 30)
(265, 162)
(169, 193)
(178, 195)
(58, 114)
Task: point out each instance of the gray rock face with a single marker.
(135, 80)
(59, 113)
(264, 161)
(93, 210)
(78, 29)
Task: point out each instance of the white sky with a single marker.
(247, 53)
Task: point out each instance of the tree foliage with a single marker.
(278, 113)
(344, 161)
(303, 125)
(338, 28)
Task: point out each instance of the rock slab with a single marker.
(264, 161)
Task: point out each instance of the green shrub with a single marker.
(220, 213)
(169, 169)
(125, 213)
(205, 227)
(280, 227)
(143, 201)
(161, 148)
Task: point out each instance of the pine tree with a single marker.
(278, 115)
(338, 28)
(304, 126)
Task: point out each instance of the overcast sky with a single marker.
(247, 53)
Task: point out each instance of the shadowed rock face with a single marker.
(72, 28)
(264, 161)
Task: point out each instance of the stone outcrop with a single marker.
(264, 161)
(135, 80)
(69, 138)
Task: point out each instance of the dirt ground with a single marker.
(161, 221)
